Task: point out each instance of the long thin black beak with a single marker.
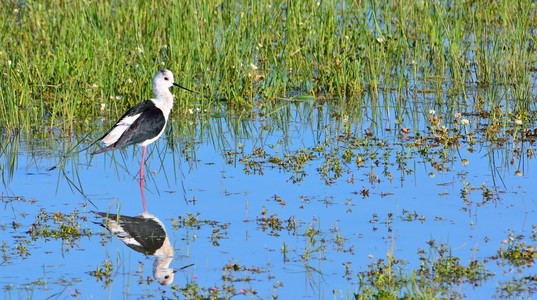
(184, 88)
(182, 268)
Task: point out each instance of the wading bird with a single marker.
(145, 122)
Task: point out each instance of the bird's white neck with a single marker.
(163, 256)
(163, 99)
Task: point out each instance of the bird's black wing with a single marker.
(150, 123)
(137, 109)
(147, 232)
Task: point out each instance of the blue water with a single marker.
(202, 181)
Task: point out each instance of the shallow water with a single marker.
(333, 225)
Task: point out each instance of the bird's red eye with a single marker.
(166, 78)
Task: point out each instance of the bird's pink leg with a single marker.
(142, 178)
(143, 162)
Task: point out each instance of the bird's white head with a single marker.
(162, 80)
(164, 276)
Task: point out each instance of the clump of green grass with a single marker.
(67, 227)
(235, 282)
(192, 221)
(271, 222)
(439, 275)
(104, 273)
(518, 287)
(218, 231)
(517, 253)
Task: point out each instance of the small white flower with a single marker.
(253, 67)
(129, 80)
(465, 121)
(432, 112)
(518, 122)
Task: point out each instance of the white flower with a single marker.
(465, 121)
(518, 122)
(432, 112)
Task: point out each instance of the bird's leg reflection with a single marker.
(142, 192)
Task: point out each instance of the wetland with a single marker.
(335, 149)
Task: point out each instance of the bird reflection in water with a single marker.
(146, 234)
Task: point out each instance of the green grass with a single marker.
(65, 63)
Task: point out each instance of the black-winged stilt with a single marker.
(145, 234)
(145, 122)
